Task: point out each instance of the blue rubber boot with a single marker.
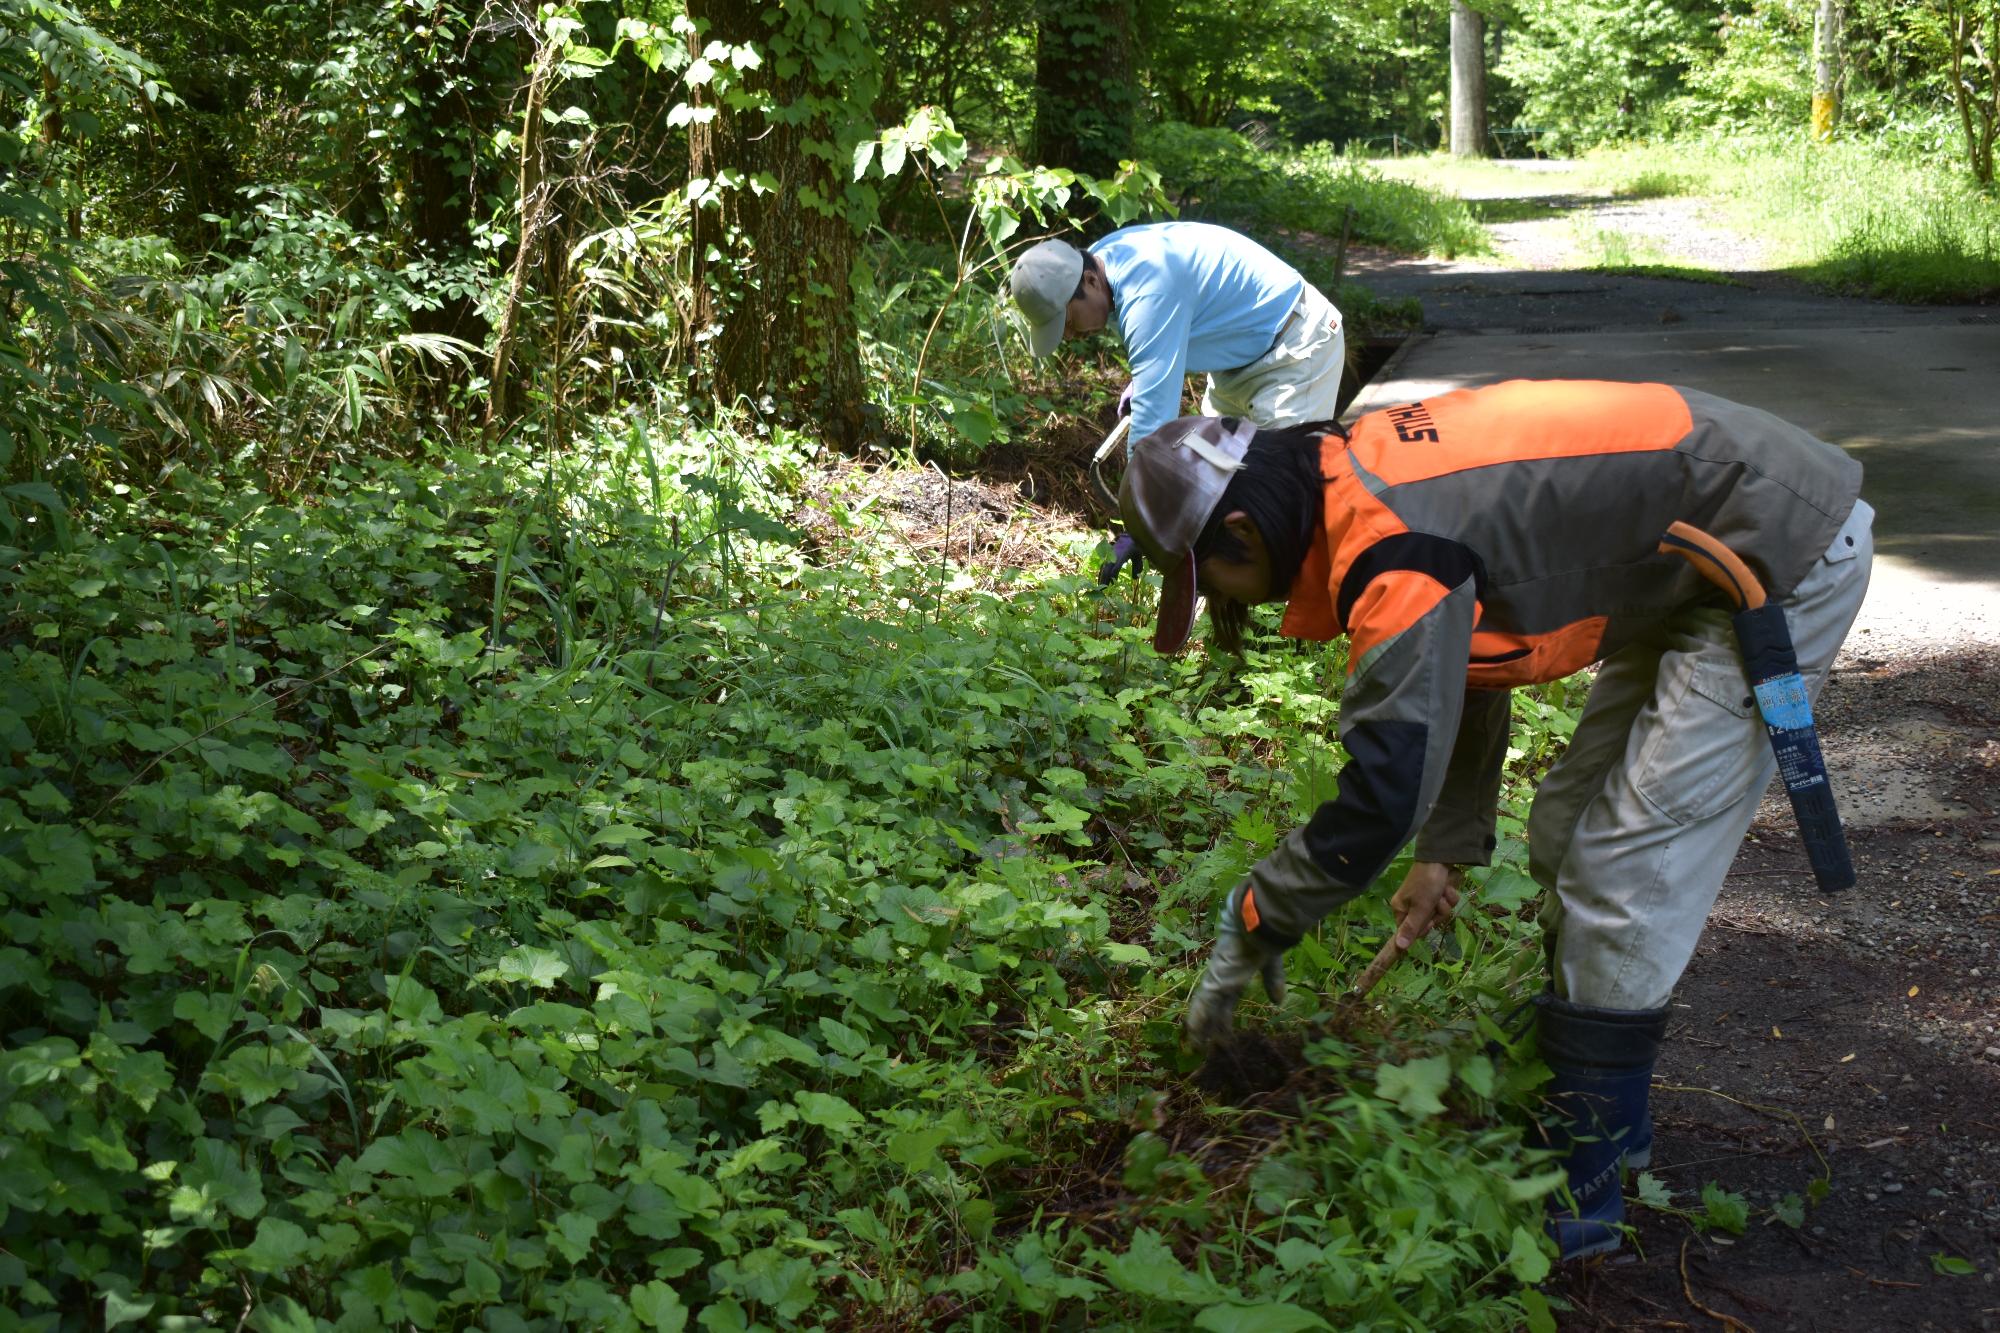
(1602, 1062)
(1639, 1147)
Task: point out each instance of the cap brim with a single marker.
(1177, 601)
(1045, 337)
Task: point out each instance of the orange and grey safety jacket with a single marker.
(1506, 536)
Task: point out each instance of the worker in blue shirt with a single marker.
(1192, 297)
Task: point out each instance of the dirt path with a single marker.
(1563, 260)
(1853, 1037)
(1858, 1037)
(1542, 216)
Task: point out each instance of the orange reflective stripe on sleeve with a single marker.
(1251, 920)
(1392, 602)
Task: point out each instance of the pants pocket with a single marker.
(1707, 748)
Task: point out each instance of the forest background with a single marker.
(498, 827)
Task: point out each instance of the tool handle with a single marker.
(1107, 495)
(1375, 971)
(1786, 707)
(1118, 432)
(1714, 562)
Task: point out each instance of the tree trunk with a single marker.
(1826, 69)
(438, 193)
(532, 194)
(1085, 102)
(1975, 82)
(774, 257)
(1468, 81)
(440, 234)
(52, 133)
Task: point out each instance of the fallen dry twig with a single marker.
(1729, 1323)
(1800, 1125)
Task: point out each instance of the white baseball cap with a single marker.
(1044, 282)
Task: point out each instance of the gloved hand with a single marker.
(1125, 398)
(1236, 957)
(1124, 551)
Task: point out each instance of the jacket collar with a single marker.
(1309, 609)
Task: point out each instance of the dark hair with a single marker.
(1281, 489)
(1088, 261)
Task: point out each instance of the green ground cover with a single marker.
(550, 893)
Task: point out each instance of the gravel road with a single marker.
(1544, 276)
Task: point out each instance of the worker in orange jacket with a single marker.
(1481, 540)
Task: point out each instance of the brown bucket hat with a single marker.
(1172, 484)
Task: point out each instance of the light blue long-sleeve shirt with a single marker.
(1187, 298)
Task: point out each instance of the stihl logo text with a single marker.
(1413, 423)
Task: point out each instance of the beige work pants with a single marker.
(1636, 824)
(1297, 381)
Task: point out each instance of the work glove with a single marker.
(1236, 957)
(1125, 398)
(1124, 551)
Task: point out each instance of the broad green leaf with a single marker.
(120, 1310)
(917, 1149)
(1527, 1257)
(1416, 1087)
(528, 965)
(482, 1284)
(1724, 1209)
(1258, 1319)
(1150, 1269)
(657, 1305)
(572, 1235)
(1296, 1254)
(279, 1245)
(827, 1111)
(842, 1038)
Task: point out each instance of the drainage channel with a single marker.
(1365, 364)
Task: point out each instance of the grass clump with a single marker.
(1220, 174)
(1656, 185)
(1677, 272)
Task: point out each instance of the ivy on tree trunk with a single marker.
(1085, 103)
(778, 223)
